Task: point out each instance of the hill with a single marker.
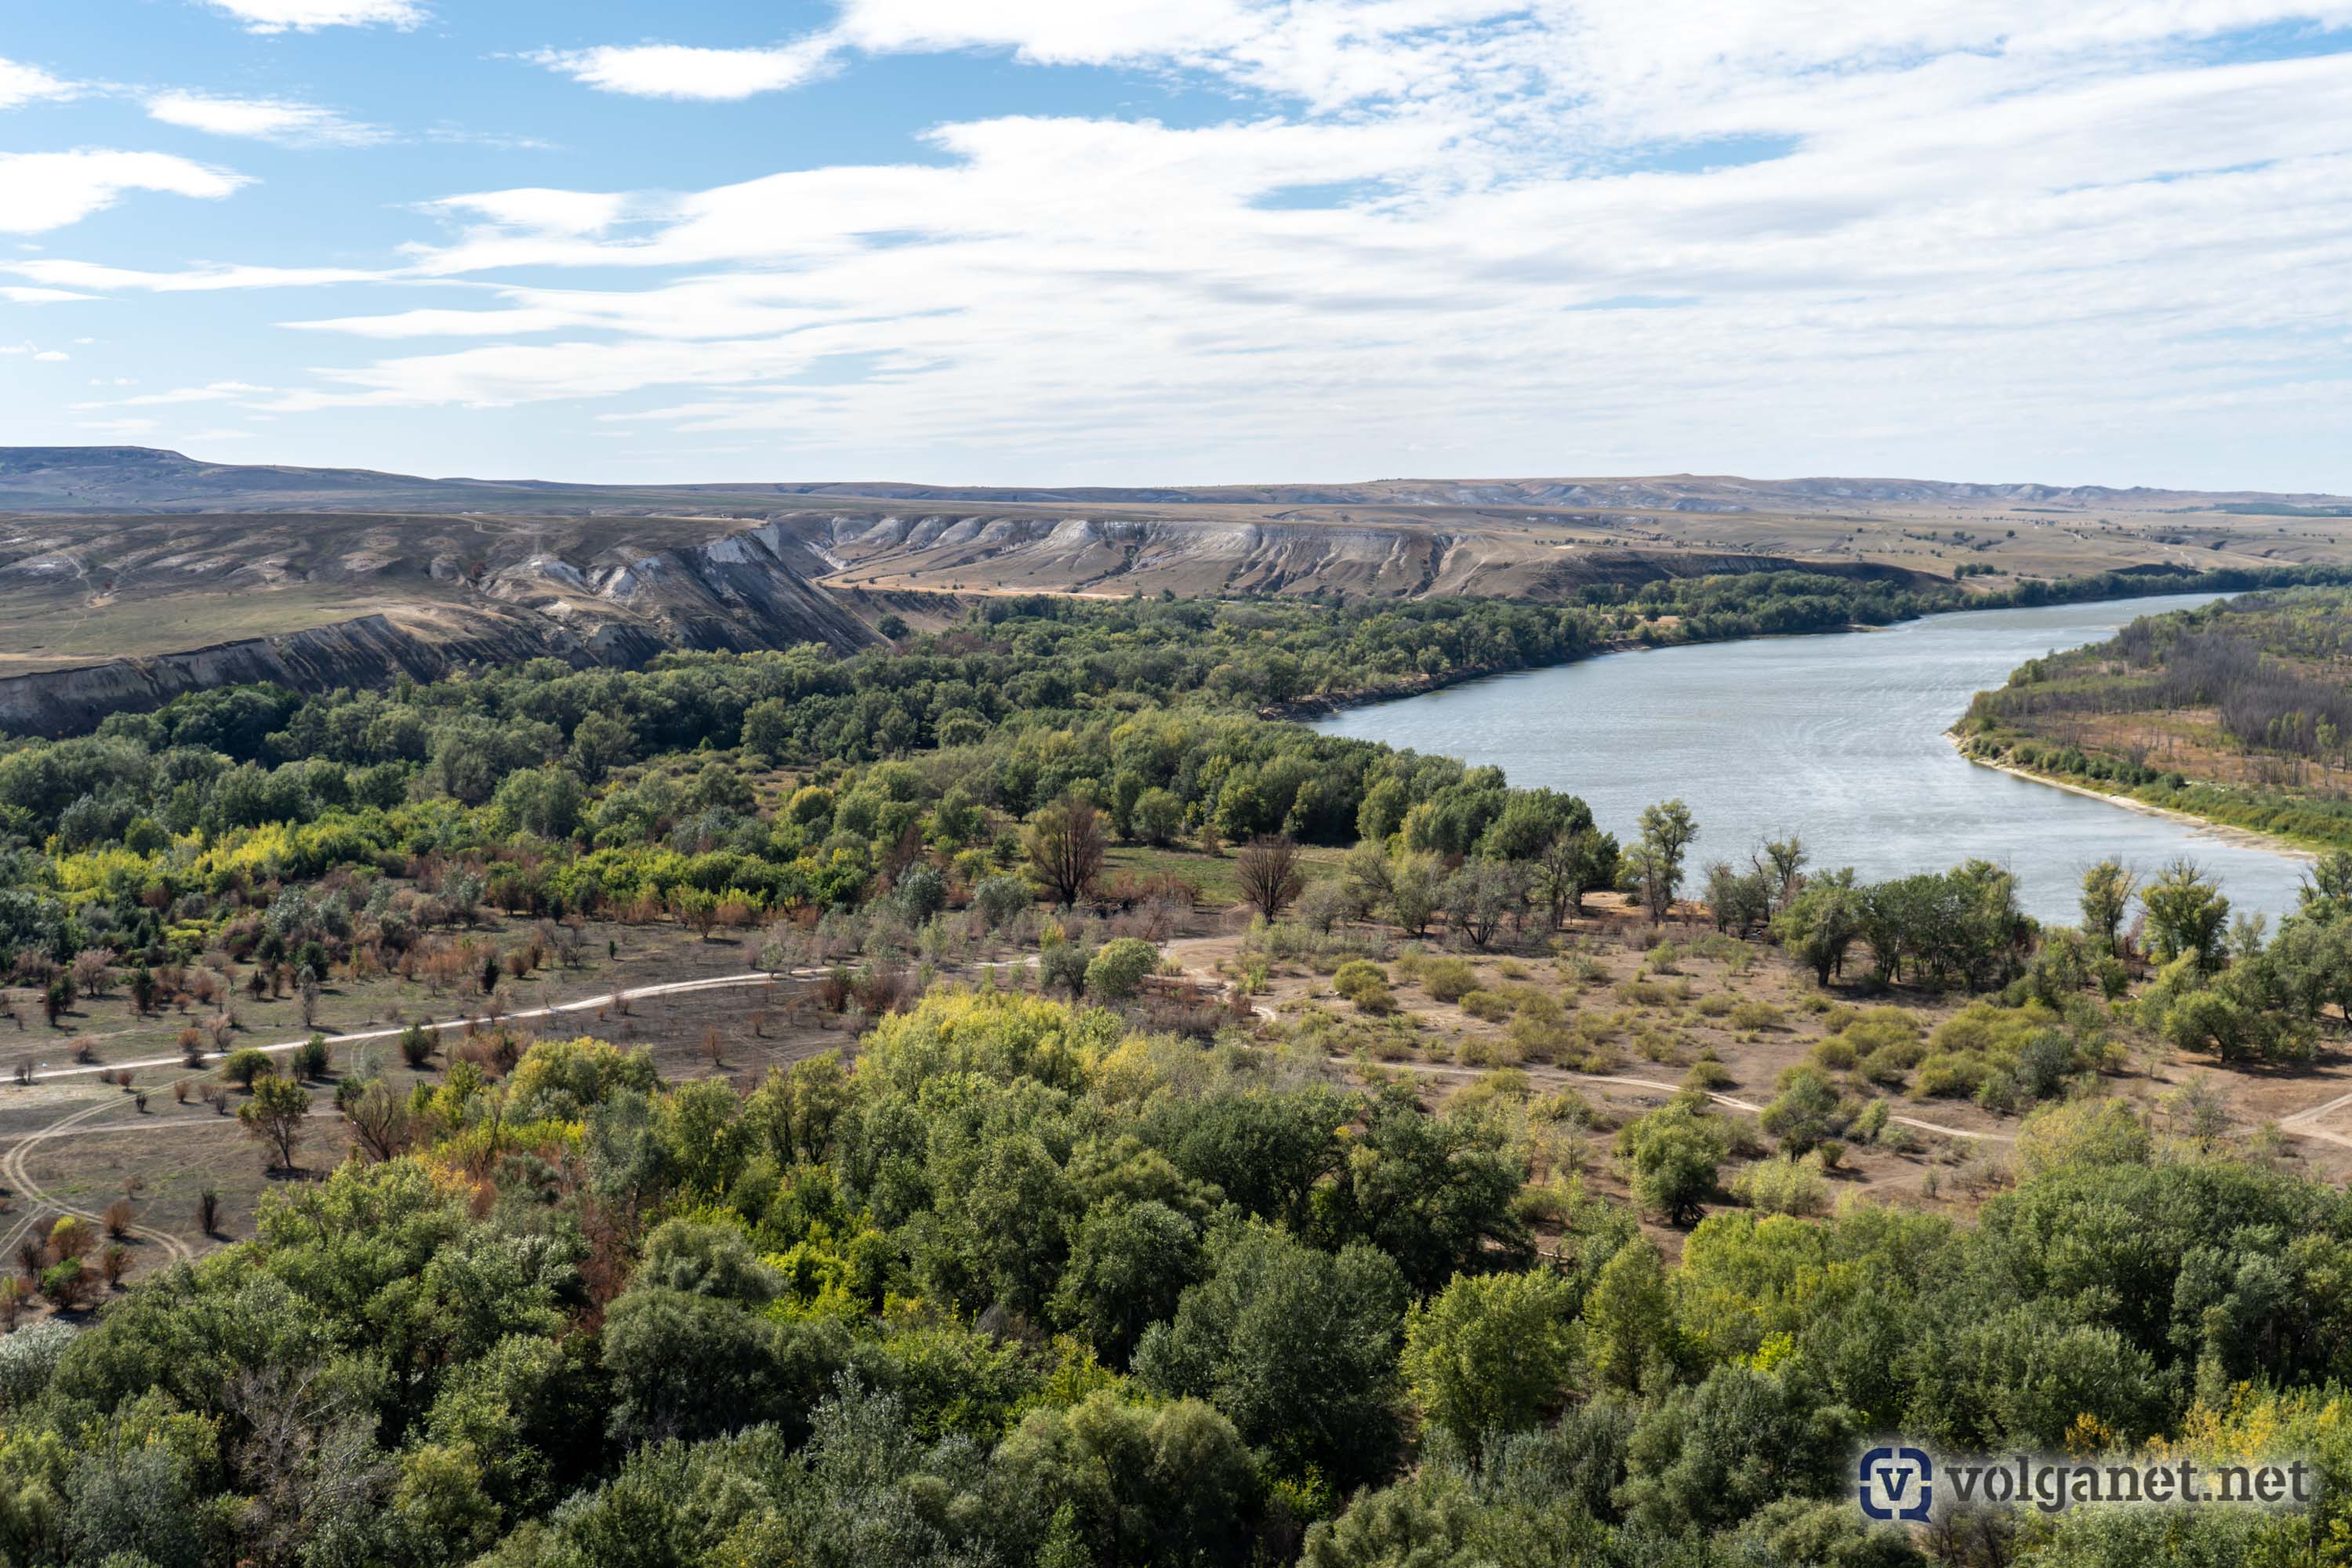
(127, 573)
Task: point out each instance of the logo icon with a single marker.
(1895, 1483)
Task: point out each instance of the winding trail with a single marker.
(15, 1168)
(1729, 1102)
(588, 1003)
(2306, 1123)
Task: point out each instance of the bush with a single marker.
(1707, 1075)
(242, 1066)
(1806, 1112)
(310, 1059)
(1784, 1184)
(1115, 972)
(417, 1045)
(1001, 900)
(1448, 979)
(1355, 975)
(1486, 1004)
(1063, 966)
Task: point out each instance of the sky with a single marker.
(1186, 241)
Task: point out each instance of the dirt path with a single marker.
(16, 1171)
(1183, 946)
(588, 1003)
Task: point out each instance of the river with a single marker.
(1841, 739)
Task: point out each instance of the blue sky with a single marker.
(1141, 241)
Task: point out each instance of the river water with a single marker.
(1840, 739)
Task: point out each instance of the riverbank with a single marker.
(1840, 740)
(2225, 832)
(1958, 598)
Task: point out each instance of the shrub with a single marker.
(310, 1059)
(1355, 975)
(243, 1066)
(1448, 979)
(1784, 1184)
(1376, 999)
(1806, 1112)
(417, 1045)
(1486, 1006)
(1115, 972)
(1755, 1016)
(1707, 1075)
(1063, 965)
(1002, 900)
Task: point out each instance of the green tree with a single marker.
(276, 1116)
(1118, 967)
(1671, 1159)
(2107, 890)
(1667, 830)
(1159, 816)
(1632, 1336)
(2186, 915)
(1821, 923)
(1806, 1113)
(1129, 1265)
(1710, 1456)
(694, 1366)
(1297, 1346)
(1491, 1352)
(1128, 1482)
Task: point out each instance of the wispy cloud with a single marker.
(287, 122)
(41, 191)
(214, 392)
(310, 15)
(680, 71)
(21, 83)
(90, 275)
(1953, 227)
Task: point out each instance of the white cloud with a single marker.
(17, 295)
(282, 119)
(680, 71)
(545, 211)
(21, 83)
(53, 356)
(63, 274)
(308, 15)
(42, 191)
(1517, 234)
(1961, 243)
(214, 391)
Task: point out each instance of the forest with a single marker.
(2239, 712)
(1069, 1260)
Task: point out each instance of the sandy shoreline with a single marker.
(2245, 837)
